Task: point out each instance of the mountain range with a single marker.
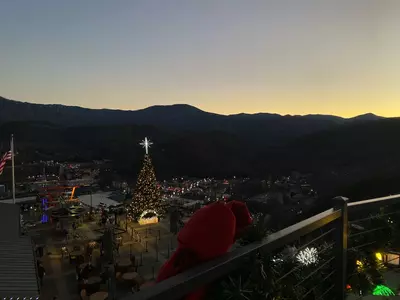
(273, 128)
(168, 115)
(189, 141)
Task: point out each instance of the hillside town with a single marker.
(83, 217)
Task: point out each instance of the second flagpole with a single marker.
(12, 166)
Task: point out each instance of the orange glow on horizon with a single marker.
(337, 104)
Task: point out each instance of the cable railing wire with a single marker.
(362, 246)
(366, 232)
(328, 247)
(326, 292)
(316, 239)
(315, 271)
(373, 217)
(314, 288)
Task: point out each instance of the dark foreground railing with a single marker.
(331, 227)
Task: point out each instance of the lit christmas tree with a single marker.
(147, 203)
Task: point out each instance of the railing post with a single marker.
(341, 246)
(157, 250)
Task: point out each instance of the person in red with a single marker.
(209, 233)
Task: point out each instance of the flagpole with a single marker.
(12, 166)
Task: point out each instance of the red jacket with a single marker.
(209, 233)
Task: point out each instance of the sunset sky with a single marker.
(337, 57)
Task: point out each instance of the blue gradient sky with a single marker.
(227, 56)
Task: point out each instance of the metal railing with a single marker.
(333, 223)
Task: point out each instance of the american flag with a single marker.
(3, 160)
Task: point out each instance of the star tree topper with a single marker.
(146, 143)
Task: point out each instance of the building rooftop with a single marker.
(96, 198)
(18, 268)
(18, 276)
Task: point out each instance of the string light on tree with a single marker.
(147, 194)
(308, 256)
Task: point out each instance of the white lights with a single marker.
(146, 143)
(308, 256)
(148, 211)
(147, 221)
(144, 221)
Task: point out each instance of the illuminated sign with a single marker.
(151, 220)
(145, 221)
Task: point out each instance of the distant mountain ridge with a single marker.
(32, 111)
(260, 129)
(366, 117)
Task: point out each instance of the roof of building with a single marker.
(97, 198)
(18, 276)
(18, 200)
